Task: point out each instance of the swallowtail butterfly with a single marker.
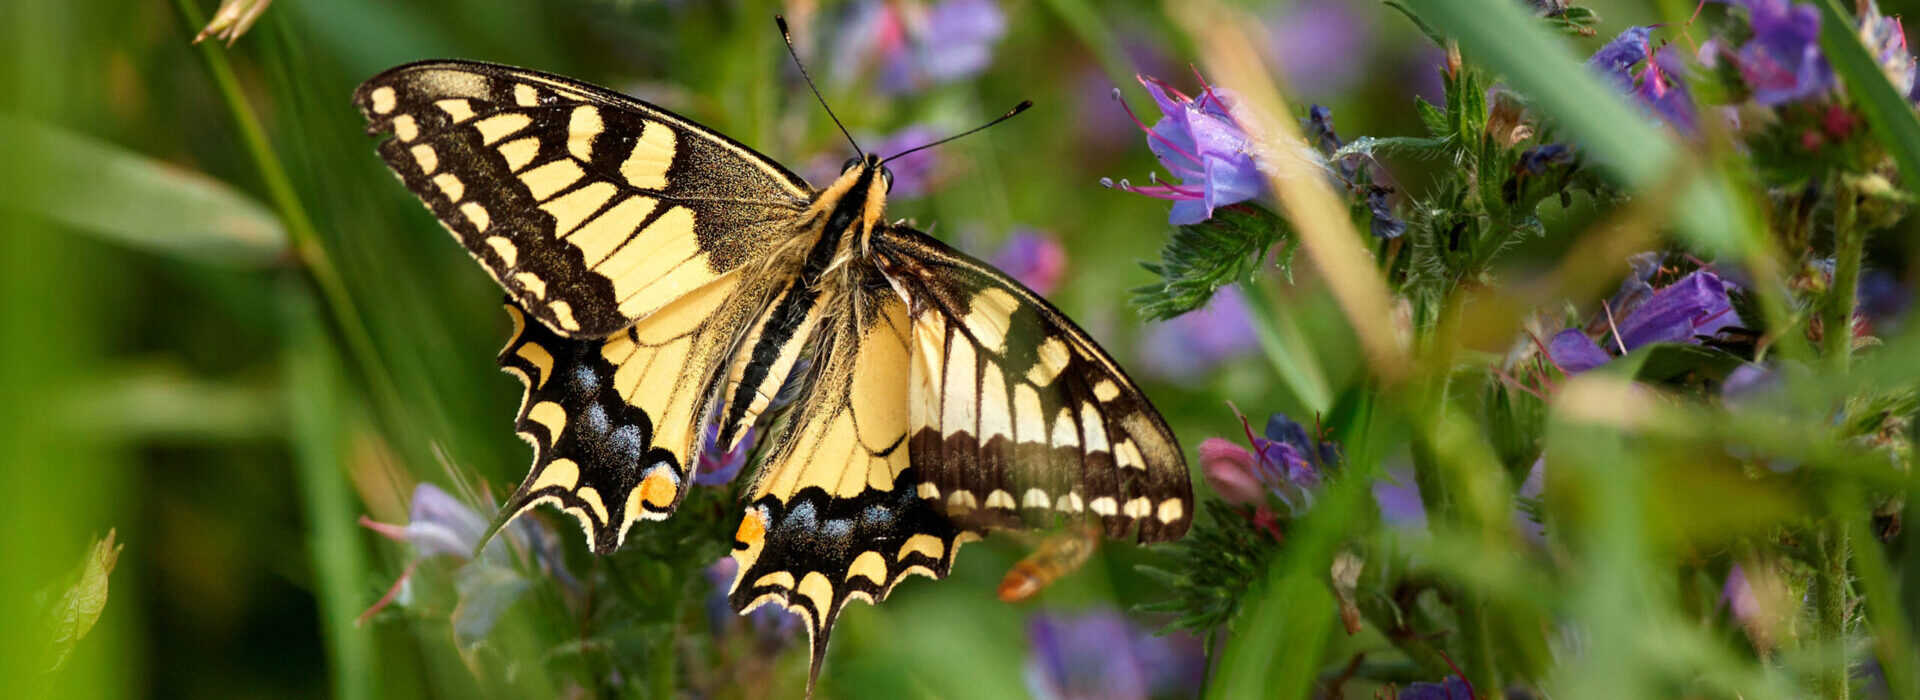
(664, 279)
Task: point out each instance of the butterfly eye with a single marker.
(887, 175)
(850, 164)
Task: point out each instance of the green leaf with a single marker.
(79, 607)
(1432, 117)
(1199, 259)
(128, 198)
(1670, 362)
(1394, 145)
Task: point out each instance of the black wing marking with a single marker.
(591, 208)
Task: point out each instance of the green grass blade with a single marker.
(317, 404)
(120, 195)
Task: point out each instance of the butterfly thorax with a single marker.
(855, 206)
(836, 229)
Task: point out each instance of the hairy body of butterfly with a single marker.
(662, 278)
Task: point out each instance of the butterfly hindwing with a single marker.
(1017, 417)
(833, 515)
(591, 208)
(616, 422)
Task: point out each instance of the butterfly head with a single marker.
(857, 200)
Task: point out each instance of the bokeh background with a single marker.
(171, 370)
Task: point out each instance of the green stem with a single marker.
(1836, 314)
(1286, 347)
(1830, 608)
(302, 236)
(1829, 588)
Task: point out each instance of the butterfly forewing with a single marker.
(591, 208)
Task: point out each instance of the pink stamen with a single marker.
(1150, 133)
(1166, 192)
(1512, 381)
(1710, 317)
(397, 533)
(1548, 354)
(1248, 428)
(392, 591)
(1180, 188)
(1463, 676)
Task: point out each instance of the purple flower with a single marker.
(1694, 307)
(439, 524)
(967, 31)
(1884, 36)
(1186, 347)
(1202, 143)
(1617, 59)
(916, 46)
(1746, 383)
(1658, 86)
(718, 467)
(1381, 222)
(1782, 62)
(1321, 45)
(1100, 655)
(1033, 257)
(1662, 90)
(1285, 462)
(1452, 688)
(1535, 160)
(1320, 131)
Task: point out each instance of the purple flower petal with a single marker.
(719, 467)
(1783, 62)
(438, 523)
(1573, 352)
(1100, 655)
(1617, 59)
(1453, 688)
(1697, 305)
(1206, 151)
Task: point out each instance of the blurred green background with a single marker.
(172, 373)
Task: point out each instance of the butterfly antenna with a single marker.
(1022, 107)
(788, 36)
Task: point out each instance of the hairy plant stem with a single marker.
(1829, 587)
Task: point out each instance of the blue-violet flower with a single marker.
(1204, 144)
